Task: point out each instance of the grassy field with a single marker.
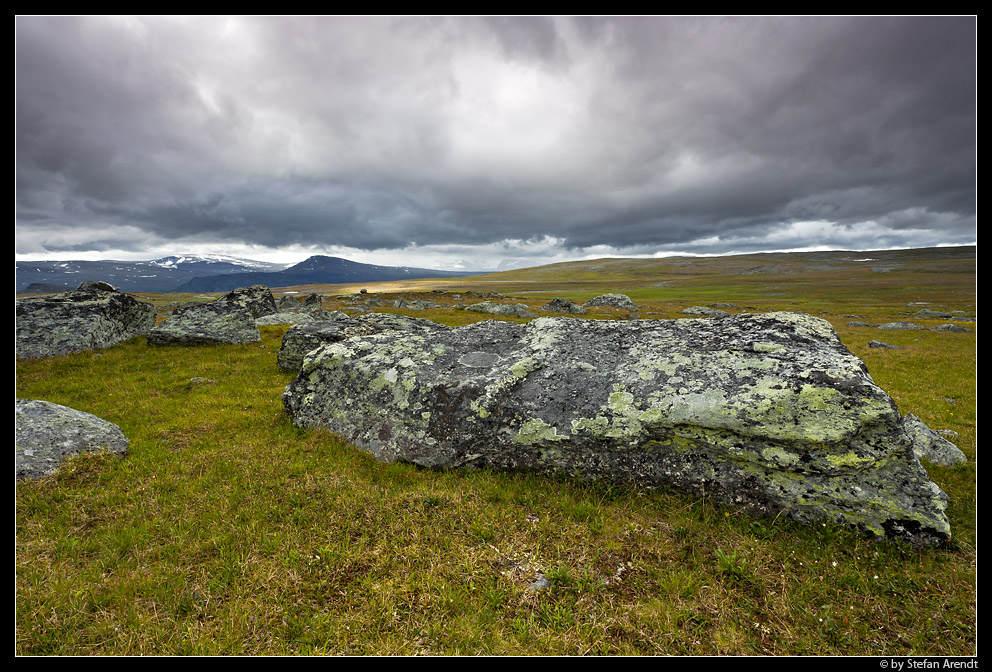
(226, 530)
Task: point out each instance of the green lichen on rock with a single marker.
(93, 317)
(770, 412)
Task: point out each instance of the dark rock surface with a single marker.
(559, 305)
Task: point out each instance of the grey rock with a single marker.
(45, 434)
(939, 314)
(95, 286)
(930, 445)
(858, 323)
(613, 301)
(541, 582)
(313, 303)
(767, 412)
(288, 304)
(559, 305)
(257, 299)
(519, 309)
(302, 338)
(896, 326)
(89, 318)
(882, 344)
(294, 317)
(413, 305)
(704, 311)
(216, 323)
(951, 327)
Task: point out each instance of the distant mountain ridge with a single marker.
(197, 273)
(157, 275)
(315, 271)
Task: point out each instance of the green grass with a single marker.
(226, 530)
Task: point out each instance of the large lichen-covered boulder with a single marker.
(257, 299)
(215, 323)
(769, 412)
(302, 338)
(45, 434)
(93, 317)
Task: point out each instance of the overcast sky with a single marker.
(491, 142)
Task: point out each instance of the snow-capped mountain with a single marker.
(199, 273)
(157, 275)
(317, 270)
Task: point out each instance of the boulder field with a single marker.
(768, 412)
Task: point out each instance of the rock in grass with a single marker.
(951, 327)
(519, 309)
(705, 311)
(900, 326)
(559, 305)
(216, 323)
(93, 317)
(612, 301)
(768, 412)
(930, 445)
(45, 434)
(882, 344)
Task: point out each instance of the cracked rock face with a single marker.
(94, 317)
(768, 412)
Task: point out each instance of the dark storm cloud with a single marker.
(375, 133)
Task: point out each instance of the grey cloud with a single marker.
(375, 133)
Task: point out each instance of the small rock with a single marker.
(895, 326)
(704, 311)
(930, 445)
(883, 344)
(541, 583)
(613, 301)
(559, 305)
